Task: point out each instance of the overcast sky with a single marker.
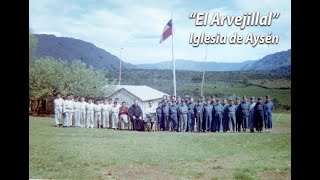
(136, 25)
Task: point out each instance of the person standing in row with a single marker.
(208, 116)
(173, 110)
(225, 118)
(76, 112)
(244, 113)
(115, 115)
(97, 114)
(213, 103)
(238, 115)
(191, 119)
(150, 112)
(218, 109)
(179, 104)
(159, 116)
(67, 111)
(82, 112)
(199, 115)
(268, 108)
(184, 116)
(105, 109)
(58, 107)
(259, 115)
(251, 118)
(90, 113)
(231, 110)
(165, 111)
(123, 113)
(72, 121)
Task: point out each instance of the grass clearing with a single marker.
(74, 153)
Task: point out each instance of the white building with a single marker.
(144, 94)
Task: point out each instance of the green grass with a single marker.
(73, 153)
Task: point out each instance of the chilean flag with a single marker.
(167, 31)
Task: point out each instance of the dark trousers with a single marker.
(225, 120)
(218, 124)
(159, 119)
(259, 121)
(166, 122)
(173, 122)
(212, 127)
(239, 122)
(191, 122)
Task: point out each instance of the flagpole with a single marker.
(120, 68)
(204, 70)
(174, 64)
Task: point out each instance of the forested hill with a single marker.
(70, 49)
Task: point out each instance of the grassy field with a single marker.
(72, 153)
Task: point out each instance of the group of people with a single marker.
(172, 114)
(214, 115)
(76, 112)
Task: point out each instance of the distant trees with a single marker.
(48, 75)
(33, 41)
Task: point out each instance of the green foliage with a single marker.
(33, 41)
(47, 75)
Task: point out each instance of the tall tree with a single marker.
(33, 41)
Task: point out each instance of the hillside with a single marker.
(190, 65)
(70, 49)
(267, 63)
(272, 62)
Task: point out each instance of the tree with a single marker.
(48, 75)
(33, 41)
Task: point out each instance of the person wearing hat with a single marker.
(165, 117)
(225, 119)
(179, 104)
(191, 116)
(231, 111)
(115, 115)
(251, 117)
(259, 114)
(208, 108)
(173, 111)
(199, 115)
(184, 116)
(82, 111)
(218, 109)
(268, 105)
(90, 113)
(238, 115)
(169, 100)
(58, 107)
(67, 110)
(213, 103)
(164, 99)
(244, 113)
